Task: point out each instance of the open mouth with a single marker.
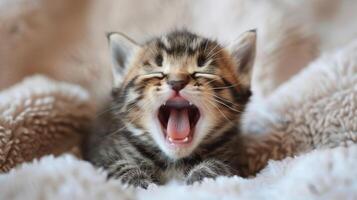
(178, 118)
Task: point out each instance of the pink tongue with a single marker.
(178, 126)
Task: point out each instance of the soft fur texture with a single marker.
(320, 100)
(316, 109)
(326, 174)
(320, 174)
(176, 113)
(40, 116)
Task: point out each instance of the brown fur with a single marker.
(132, 146)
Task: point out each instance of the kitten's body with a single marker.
(152, 132)
(107, 148)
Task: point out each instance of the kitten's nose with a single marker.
(178, 84)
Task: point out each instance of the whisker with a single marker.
(212, 50)
(216, 53)
(229, 107)
(219, 58)
(152, 51)
(132, 120)
(220, 111)
(223, 103)
(225, 87)
(133, 106)
(108, 109)
(215, 79)
(205, 49)
(105, 111)
(210, 56)
(223, 99)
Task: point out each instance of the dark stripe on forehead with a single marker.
(161, 45)
(179, 43)
(179, 50)
(182, 36)
(207, 47)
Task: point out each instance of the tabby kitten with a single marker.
(177, 103)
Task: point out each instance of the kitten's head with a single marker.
(181, 90)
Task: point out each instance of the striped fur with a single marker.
(127, 140)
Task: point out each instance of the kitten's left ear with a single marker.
(243, 51)
(122, 49)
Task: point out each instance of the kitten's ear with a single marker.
(122, 49)
(243, 51)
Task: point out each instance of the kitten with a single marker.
(177, 103)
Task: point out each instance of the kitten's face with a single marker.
(181, 90)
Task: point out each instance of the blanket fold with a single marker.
(40, 116)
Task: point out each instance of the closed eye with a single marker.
(205, 75)
(208, 77)
(158, 75)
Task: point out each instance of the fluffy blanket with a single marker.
(319, 115)
(325, 174)
(308, 124)
(39, 117)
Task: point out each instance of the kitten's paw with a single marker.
(134, 177)
(198, 176)
(142, 182)
(208, 169)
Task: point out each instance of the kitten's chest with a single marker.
(176, 173)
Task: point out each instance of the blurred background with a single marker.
(65, 39)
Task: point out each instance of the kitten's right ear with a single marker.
(122, 49)
(243, 51)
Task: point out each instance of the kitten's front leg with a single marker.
(130, 173)
(208, 169)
